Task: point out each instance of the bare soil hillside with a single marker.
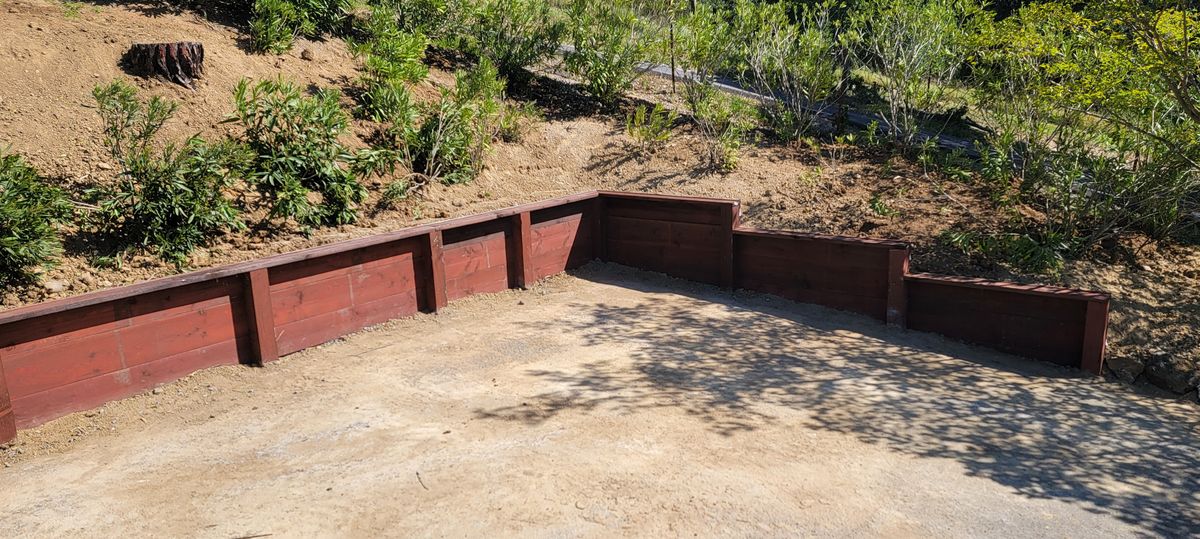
(51, 58)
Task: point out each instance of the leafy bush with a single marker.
(30, 211)
(299, 168)
(917, 47)
(1021, 251)
(173, 201)
(274, 24)
(725, 122)
(515, 34)
(446, 22)
(391, 58)
(1094, 142)
(610, 40)
(650, 128)
(446, 140)
(795, 62)
(170, 201)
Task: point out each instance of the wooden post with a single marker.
(599, 238)
(262, 316)
(1095, 333)
(520, 251)
(436, 291)
(897, 294)
(8, 420)
(730, 215)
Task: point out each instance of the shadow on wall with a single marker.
(734, 362)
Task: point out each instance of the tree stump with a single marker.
(181, 62)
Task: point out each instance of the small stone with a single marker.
(306, 54)
(1127, 368)
(104, 166)
(56, 285)
(157, 391)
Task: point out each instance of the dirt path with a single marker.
(617, 403)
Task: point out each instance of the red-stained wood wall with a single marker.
(68, 355)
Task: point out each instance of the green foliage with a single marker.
(275, 24)
(174, 200)
(1022, 251)
(446, 22)
(610, 40)
(394, 193)
(30, 212)
(72, 10)
(170, 201)
(391, 58)
(446, 140)
(515, 121)
(650, 128)
(799, 63)
(880, 206)
(299, 168)
(917, 47)
(1090, 128)
(725, 122)
(515, 34)
(129, 124)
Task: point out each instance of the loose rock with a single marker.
(1127, 368)
(1172, 372)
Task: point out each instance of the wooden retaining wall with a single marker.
(77, 353)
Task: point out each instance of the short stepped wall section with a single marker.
(76, 353)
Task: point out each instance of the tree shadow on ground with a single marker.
(738, 362)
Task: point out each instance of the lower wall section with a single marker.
(841, 274)
(77, 353)
(684, 238)
(1051, 324)
(80, 359)
(319, 300)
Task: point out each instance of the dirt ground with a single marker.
(49, 62)
(614, 402)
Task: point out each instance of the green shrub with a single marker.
(610, 41)
(446, 22)
(170, 201)
(458, 129)
(30, 211)
(391, 58)
(917, 47)
(725, 122)
(796, 62)
(1021, 251)
(515, 34)
(174, 200)
(275, 24)
(650, 128)
(446, 140)
(300, 168)
(1092, 141)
